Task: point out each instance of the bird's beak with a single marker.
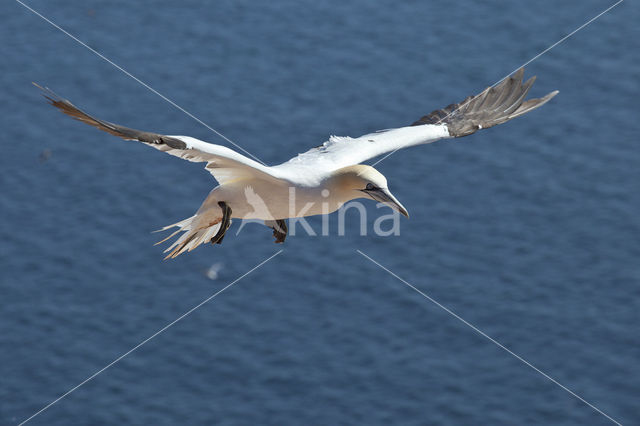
(383, 196)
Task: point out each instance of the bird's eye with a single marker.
(370, 187)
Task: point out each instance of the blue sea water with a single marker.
(529, 231)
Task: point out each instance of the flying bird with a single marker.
(318, 181)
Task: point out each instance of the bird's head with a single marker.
(361, 181)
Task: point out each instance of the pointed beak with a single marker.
(383, 195)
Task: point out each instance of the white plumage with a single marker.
(319, 180)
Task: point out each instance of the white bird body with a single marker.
(302, 186)
(277, 202)
(320, 180)
(309, 195)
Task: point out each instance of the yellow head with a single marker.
(361, 181)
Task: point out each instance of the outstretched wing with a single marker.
(223, 163)
(493, 106)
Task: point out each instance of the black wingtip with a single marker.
(49, 94)
(495, 105)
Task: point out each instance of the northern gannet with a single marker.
(320, 180)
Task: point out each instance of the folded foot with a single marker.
(224, 224)
(279, 229)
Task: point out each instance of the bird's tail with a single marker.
(195, 232)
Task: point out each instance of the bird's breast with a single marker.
(266, 201)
